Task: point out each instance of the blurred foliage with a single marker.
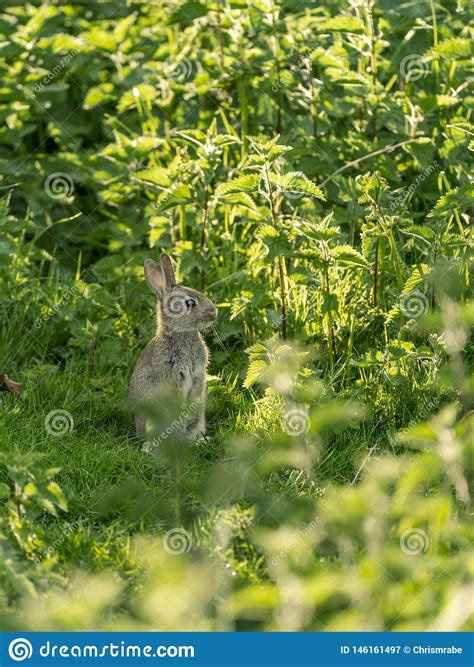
(308, 167)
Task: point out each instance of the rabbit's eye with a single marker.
(190, 303)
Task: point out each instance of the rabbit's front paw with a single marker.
(196, 428)
(203, 440)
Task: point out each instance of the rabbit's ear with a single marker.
(168, 269)
(155, 277)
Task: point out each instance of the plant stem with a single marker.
(244, 117)
(314, 113)
(395, 259)
(182, 223)
(219, 34)
(173, 227)
(18, 501)
(281, 260)
(332, 339)
(276, 57)
(350, 344)
(433, 292)
(435, 41)
(373, 60)
(204, 223)
(177, 498)
(376, 272)
(278, 96)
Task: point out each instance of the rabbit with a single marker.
(176, 358)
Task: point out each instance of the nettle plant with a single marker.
(189, 181)
(340, 269)
(266, 188)
(27, 495)
(29, 492)
(379, 243)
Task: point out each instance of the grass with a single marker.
(102, 454)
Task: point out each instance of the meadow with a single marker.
(307, 166)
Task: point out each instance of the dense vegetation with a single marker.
(307, 166)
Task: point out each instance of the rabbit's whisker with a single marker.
(221, 344)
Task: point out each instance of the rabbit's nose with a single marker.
(212, 312)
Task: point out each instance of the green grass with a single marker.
(105, 475)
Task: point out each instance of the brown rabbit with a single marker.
(176, 358)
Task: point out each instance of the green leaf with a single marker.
(144, 93)
(460, 198)
(421, 232)
(156, 175)
(321, 231)
(30, 489)
(255, 372)
(61, 43)
(192, 135)
(348, 78)
(276, 242)
(453, 48)
(38, 20)
(238, 199)
(462, 126)
(122, 27)
(98, 95)
(55, 490)
(347, 256)
(102, 40)
(269, 150)
(416, 277)
(342, 24)
(177, 196)
(330, 303)
(247, 183)
(186, 13)
(295, 182)
(47, 505)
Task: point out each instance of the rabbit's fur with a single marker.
(176, 359)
